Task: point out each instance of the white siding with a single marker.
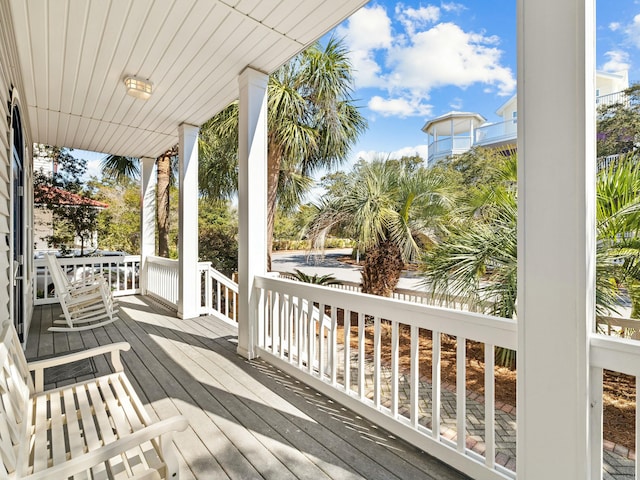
(11, 88)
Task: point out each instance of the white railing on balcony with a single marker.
(220, 293)
(616, 355)
(606, 161)
(493, 133)
(121, 273)
(348, 345)
(162, 280)
(445, 147)
(613, 98)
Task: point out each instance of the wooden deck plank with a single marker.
(340, 440)
(230, 395)
(256, 404)
(225, 450)
(248, 420)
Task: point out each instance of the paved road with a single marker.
(328, 264)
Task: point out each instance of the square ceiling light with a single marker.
(138, 88)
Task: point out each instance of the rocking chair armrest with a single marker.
(39, 366)
(90, 459)
(91, 281)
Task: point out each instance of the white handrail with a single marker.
(415, 296)
(220, 295)
(162, 280)
(291, 335)
(617, 355)
(121, 273)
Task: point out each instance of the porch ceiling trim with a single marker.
(74, 56)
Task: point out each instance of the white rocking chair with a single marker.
(86, 303)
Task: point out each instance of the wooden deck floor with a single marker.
(247, 419)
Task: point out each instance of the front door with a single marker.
(18, 245)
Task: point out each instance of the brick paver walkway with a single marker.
(616, 467)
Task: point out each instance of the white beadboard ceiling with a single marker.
(74, 55)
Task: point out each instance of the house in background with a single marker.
(44, 219)
(456, 132)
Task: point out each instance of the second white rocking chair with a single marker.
(86, 303)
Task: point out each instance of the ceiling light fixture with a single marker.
(139, 88)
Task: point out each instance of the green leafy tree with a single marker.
(478, 260)
(120, 168)
(119, 225)
(312, 124)
(390, 209)
(218, 236)
(618, 125)
(65, 193)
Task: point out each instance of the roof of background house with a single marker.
(64, 197)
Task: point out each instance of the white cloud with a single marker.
(367, 30)
(613, 26)
(399, 107)
(453, 7)
(370, 155)
(456, 104)
(412, 19)
(422, 55)
(94, 169)
(447, 55)
(632, 31)
(618, 61)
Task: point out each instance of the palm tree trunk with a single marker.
(273, 173)
(382, 268)
(164, 176)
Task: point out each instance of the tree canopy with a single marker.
(312, 124)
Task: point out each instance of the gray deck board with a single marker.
(247, 419)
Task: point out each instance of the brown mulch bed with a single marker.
(619, 389)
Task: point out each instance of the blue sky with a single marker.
(416, 60)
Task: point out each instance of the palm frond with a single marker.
(119, 168)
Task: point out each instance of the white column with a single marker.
(147, 216)
(252, 201)
(188, 281)
(556, 235)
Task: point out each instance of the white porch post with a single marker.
(252, 201)
(188, 281)
(147, 217)
(556, 235)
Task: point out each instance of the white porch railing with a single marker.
(339, 351)
(220, 293)
(618, 355)
(416, 296)
(162, 280)
(350, 347)
(120, 272)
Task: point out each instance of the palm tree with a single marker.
(119, 167)
(618, 226)
(478, 260)
(387, 206)
(312, 124)
(316, 279)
